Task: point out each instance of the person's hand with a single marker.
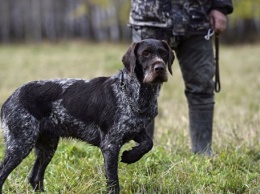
(218, 21)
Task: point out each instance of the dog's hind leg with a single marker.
(18, 146)
(145, 145)
(45, 148)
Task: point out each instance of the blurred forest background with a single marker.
(100, 20)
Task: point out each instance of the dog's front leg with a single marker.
(145, 145)
(110, 153)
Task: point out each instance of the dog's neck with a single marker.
(140, 96)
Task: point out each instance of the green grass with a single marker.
(170, 167)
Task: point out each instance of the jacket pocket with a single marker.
(151, 10)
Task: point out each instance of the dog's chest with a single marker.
(135, 115)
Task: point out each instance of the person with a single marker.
(187, 25)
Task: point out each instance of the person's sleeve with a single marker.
(224, 6)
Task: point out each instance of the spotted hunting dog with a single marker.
(106, 112)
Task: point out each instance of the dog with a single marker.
(106, 112)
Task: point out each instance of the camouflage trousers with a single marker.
(196, 59)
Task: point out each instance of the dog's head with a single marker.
(149, 59)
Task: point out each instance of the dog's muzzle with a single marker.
(157, 74)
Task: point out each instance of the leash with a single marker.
(217, 84)
(217, 74)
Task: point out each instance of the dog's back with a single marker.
(65, 107)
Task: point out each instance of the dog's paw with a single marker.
(128, 158)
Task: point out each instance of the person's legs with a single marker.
(195, 55)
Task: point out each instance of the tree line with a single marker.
(99, 20)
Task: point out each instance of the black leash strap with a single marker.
(217, 76)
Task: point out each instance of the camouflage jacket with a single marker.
(184, 17)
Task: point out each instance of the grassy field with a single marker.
(170, 167)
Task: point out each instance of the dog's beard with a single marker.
(155, 78)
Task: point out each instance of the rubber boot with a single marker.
(201, 123)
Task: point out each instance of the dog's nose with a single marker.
(159, 68)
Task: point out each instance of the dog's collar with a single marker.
(122, 83)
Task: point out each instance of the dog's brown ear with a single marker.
(129, 58)
(171, 56)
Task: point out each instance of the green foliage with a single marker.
(101, 3)
(249, 9)
(123, 13)
(122, 8)
(170, 167)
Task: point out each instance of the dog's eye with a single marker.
(163, 53)
(146, 53)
